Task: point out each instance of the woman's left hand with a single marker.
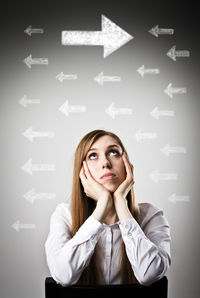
(124, 188)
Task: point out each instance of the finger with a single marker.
(87, 171)
(82, 175)
(128, 167)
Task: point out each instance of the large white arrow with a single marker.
(66, 108)
(172, 53)
(174, 198)
(156, 113)
(29, 167)
(32, 196)
(112, 111)
(111, 37)
(168, 149)
(174, 90)
(30, 134)
(142, 71)
(24, 101)
(156, 31)
(17, 226)
(100, 78)
(29, 61)
(31, 30)
(145, 136)
(156, 176)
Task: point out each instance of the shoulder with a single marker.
(147, 212)
(62, 213)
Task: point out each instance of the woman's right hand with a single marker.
(97, 192)
(92, 188)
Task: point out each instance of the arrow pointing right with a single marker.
(111, 37)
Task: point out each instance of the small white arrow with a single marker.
(156, 113)
(172, 53)
(145, 136)
(156, 176)
(24, 101)
(142, 71)
(66, 108)
(156, 31)
(31, 30)
(113, 111)
(29, 167)
(29, 61)
(174, 198)
(100, 78)
(61, 77)
(111, 37)
(32, 196)
(167, 149)
(174, 90)
(17, 226)
(30, 134)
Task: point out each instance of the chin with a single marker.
(111, 188)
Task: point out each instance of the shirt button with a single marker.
(126, 226)
(130, 235)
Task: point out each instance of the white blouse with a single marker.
(147, 246)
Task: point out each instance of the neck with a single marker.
(111, 218)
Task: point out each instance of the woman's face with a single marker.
(105, 157)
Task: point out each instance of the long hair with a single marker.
(82, 207)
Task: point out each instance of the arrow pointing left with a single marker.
(31, 30)
(17, 226)
(29, 167)
(29, 61)
(30, 134)
(142, 71)
(111, 37)
(156, 113)
(100, 78)
(24, 101)
(156, 31)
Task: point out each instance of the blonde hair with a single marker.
(82, 207)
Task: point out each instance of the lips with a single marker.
(108, 176)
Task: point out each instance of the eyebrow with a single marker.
(110, 146)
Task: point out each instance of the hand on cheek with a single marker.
(124, 188)
(92, 188)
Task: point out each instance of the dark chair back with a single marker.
(156, 290)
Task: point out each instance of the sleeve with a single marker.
(148, 250)
(68, 256)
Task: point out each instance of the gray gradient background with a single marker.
(23, 264)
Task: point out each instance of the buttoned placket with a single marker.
(108, 252)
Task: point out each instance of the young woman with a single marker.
(104, 236)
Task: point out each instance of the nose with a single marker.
(106, 163)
